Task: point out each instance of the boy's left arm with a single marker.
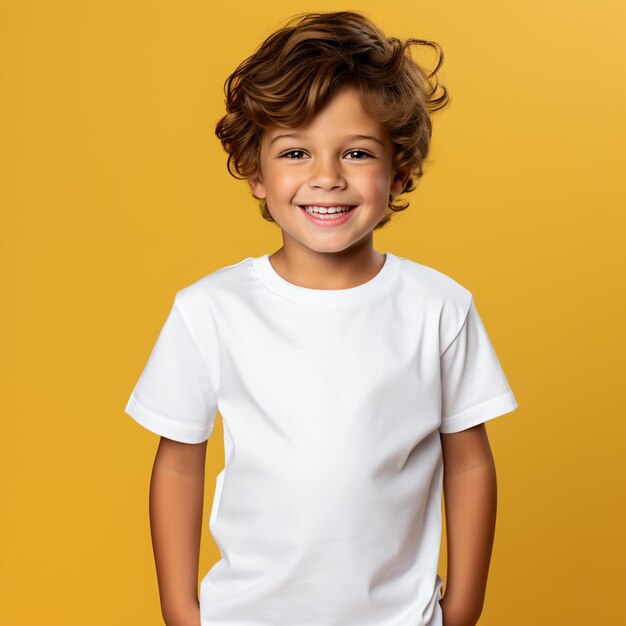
(470, 497)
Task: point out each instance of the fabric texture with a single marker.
(328, 509)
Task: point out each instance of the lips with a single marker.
(328, 219)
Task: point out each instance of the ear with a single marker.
(257, 186)
(400, 179)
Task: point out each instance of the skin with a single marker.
(324, 165)
(326, 168)
(470, 501)
(176, 500)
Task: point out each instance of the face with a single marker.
(342, 157)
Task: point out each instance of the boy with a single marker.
(346, 378)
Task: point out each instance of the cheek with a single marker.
(282, 181)
(375, 183)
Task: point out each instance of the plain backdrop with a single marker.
(114, 195)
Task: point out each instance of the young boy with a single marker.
(346, 379)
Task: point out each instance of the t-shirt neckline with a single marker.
(375, 286)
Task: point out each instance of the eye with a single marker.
(291, 152)
(358, 151)
(298, 150)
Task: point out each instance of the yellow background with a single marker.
(115, 194)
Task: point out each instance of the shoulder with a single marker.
(212, 285)
(196, 301)
(445, 299)
(434, 284)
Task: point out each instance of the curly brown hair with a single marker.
(294, 73)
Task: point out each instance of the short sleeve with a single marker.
(174, 396)
(474, 387)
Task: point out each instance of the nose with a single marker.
(327, 174)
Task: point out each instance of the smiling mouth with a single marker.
(321, 211)
(328, 216)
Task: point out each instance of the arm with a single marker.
(470, 496)
(176, 498)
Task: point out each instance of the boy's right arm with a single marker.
(176, 499)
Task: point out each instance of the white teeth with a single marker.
(327, 213)
(322, 209)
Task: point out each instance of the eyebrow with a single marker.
(349, 137)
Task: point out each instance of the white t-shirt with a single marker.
(328, 511)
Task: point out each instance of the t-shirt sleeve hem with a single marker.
(161, 426)
(479, 413)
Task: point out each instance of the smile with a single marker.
(313, 208)
(333, 215)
